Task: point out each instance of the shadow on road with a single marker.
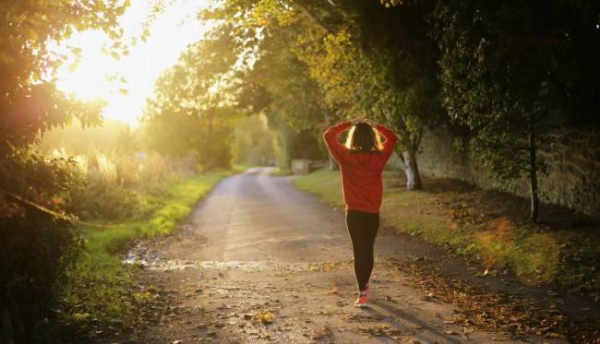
(410, 319)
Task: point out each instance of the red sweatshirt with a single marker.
(361, 172)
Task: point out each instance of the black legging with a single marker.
(363, 230)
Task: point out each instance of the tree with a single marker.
(254, 141)
(506, 66)
(379, 62)
(277, 84)
(30, 104)
(192, 112)
(29, 100)
(37, 242)
(367, 60)
(295, 106)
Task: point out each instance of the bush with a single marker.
(37, 244)
(99, 201)
(109, 185)
(36, 250)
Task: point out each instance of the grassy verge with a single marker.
(101, 291)
(487, 227)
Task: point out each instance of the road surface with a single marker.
(260, 261)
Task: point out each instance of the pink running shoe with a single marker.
(361, 302)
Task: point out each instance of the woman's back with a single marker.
(361, 171)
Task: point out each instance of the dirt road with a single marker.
(260, 261)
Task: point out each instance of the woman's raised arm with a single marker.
(390, 140)
(331, 140)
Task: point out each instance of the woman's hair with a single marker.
(363, 139)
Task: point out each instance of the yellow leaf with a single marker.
(265, 317)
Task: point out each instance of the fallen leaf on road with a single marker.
(379, 330)
(265, 317)
(482, 274)
(334, 290)
(498, 311)
(322, 332)
(428, 297)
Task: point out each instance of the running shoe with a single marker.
(362, 302)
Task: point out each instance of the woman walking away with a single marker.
(361, 163)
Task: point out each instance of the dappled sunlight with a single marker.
(539, 258)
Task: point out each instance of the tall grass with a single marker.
(129, 168)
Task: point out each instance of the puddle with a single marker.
(250, 266)
(255, 266)
(157, 264)
(141, 256)
(241, 265)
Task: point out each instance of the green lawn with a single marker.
(481, 226)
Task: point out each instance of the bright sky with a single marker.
(170, 32)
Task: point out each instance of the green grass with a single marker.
(239, 168)
(281, 172)
(325, 183)
(469, 223)
(101, 289)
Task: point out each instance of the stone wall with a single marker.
(572, 156)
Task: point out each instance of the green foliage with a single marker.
(326, 184)
(36, 250)
(279, 85)
(303, 145)
(192, 112)
(36, 246)
(254, 141)
(486, 88)
(291, 143)
(322, 61)
(380, 63)
(30, 101)
(93, 201)
(294, 98)
(506, 66)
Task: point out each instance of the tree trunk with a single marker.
(413, 178)
(535, 203)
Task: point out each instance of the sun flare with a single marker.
(126, 83)
(88, 79)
